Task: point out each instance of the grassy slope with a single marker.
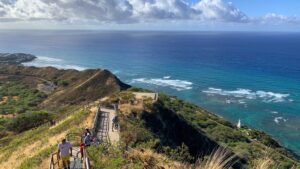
(73, 90)
(30, 148)
(247, 143)
(148, 128)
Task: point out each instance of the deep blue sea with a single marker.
(254, 77)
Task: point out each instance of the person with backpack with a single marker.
(87, 140)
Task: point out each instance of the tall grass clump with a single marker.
(264, 163)
(219, 159)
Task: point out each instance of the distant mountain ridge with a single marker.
(69, 86)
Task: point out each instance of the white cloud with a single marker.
(129, 11)
(118, 10)
(219, 10)
(273, 18)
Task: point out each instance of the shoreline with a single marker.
(219, 116)
(246, 128)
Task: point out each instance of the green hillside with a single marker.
(39, 106)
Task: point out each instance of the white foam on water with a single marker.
(167, 77)
(59, 66)
(76, 67)
(242, 101)
(265, 96)
(279, 119)
(228, 101)
(48, 59)
(116, 72)
(44, 61)
(176, 84)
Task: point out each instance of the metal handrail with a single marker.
(52, 163)
(96, 121)
(86, 160)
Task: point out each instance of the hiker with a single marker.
(52, 122)
(115, 122)
(95, 140)
(65, 152)
(87, 140)
(81, 148)
(87, 131)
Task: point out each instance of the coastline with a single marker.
(244, 129)
(289, 151)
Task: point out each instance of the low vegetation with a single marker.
(17, 98)
(43, 139)
(249, 144)
(169, 133)
(19, 110)
(166, 128)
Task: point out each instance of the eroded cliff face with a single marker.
(174, 131)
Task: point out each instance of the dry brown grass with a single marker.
(28, 150)
(15, 98)
(152, 160)
(219, 159)
(126, 109)
(264, 163)
(3, 100)
(8, 116)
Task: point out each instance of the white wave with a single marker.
(272, 97)
(116, 72)
(76, 67)
(274, 112)
(242, 102)
(44, 61)
(167, 77)
(248, 94)
(279, 119)
(174, 84)
(48, 59)
(59, 66)
(228, 101)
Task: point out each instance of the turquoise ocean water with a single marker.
(254, 77)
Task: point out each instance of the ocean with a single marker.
(251, 76)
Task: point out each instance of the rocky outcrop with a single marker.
(15, 58)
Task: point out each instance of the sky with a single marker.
(221, 15)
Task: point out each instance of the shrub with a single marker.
(106, 157)
(63, 83)
(264, 138)
(29, 120)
